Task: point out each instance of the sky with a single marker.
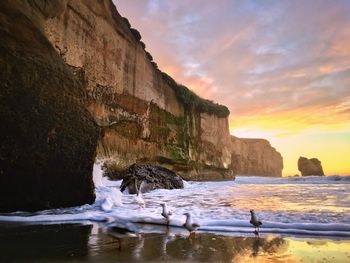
(281, 67)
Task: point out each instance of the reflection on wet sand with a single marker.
(91, 243)
(170, 245)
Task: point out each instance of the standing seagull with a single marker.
(191, 227)
(255, 222)
(138, 197)
(121, 228)
(165, 213)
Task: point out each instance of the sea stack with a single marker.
(310, 166)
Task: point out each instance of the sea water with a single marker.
(296, 206)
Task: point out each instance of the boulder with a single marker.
(310, 166)
(154, 177)
(48, 139)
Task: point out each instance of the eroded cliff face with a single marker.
(255, 157)
(142, 116)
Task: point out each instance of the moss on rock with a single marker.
(129, 129)
(192, 100)
(176, 154)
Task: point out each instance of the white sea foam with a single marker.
(108, 194)
(317, 206)
(97, 174)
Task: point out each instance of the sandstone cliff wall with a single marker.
(255, 157)
(94, 40)
(139, 107)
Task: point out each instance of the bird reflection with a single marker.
(256, 247)
(139, 249)
(120, 229)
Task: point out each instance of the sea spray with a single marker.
(97, 174)
(108, 194)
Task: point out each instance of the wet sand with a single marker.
(90, 243)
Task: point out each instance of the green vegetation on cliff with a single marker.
(127, 128)
(166, 128)
(191, 99)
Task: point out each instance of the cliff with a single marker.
(255, 157)
(76, 82)
(48, 139)
(146, 116)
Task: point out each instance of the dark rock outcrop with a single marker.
(310, 166)
(48, 138)
(154, 177)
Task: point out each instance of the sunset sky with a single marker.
(281, 67)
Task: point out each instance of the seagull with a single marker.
(191, 227)
(121, 228)
(255, 222)
(107, 204)
(138, 198)
(165, 213)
